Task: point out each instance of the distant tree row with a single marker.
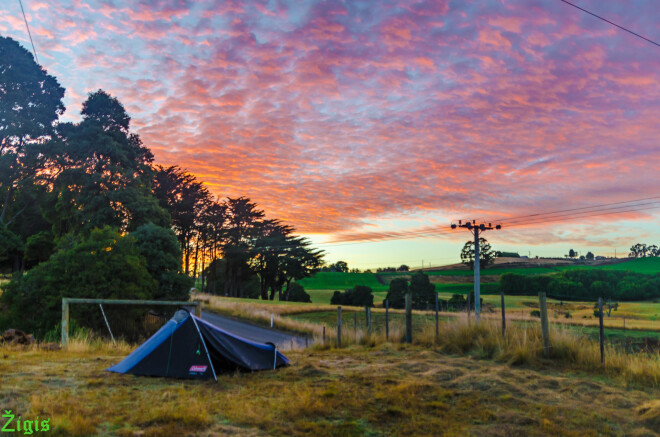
(584, 284)
(641, 250)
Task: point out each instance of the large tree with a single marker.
(103, 172)
(30, 105)
(486, 255)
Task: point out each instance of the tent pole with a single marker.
(275, 360)
(207, 351)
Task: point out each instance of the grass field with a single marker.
(360, 391)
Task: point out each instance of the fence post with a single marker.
(369, 321)
(408, 318)
(437, 320)
(198, 309)
(338, 326)
(324, 335)
(602, 331)
(468, 306)
(65, 321)
(545, 332)
(387, 320)
(355, 324)
(503, 316)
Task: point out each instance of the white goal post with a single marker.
(66, 301)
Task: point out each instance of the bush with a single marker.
(396, 295)
(360, 295)
(105, 265)
(536, 313)
(297, 293)
(423, 292)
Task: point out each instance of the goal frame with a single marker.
(67, 301)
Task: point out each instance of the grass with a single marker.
(382, 389)
(342, 281)
(522, 344)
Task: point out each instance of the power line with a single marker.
(28, 31)
(612, 23)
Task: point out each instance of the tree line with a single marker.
(83, 204)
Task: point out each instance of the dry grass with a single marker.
(392, 389)
(460, 335)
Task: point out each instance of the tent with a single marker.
(188, 347)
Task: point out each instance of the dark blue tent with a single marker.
(188, 347)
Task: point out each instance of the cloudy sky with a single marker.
(354, 118)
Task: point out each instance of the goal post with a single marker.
(67, 301)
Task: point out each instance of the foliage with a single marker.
(297, 293)
(486, 255)
(102, 173)
(641, 250)
(339, 266)
(104, 265)
(584, 284)
(396, 295)
(30, 104)
(422, 291)
(161, 251)
(360, 295)
(40, 247)
(499, 254)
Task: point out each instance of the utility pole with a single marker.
(475, 229)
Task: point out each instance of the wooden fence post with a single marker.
(602, 331)
(387, 320)
(324, 335)
(468, 307)
(355, 324)
(503, 316)
(369, 321)
(408, 318)
(198, 309)
(437, 319)
(545, 332)
(65, 321)
(338, 326)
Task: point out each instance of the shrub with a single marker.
(536, 313)
(297, 293)
(396, 295)
(360, 295)
(105, 265)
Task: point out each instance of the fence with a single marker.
(543, 313)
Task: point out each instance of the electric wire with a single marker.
(611, 22)
(28, 31)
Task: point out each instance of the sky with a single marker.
(350, 119)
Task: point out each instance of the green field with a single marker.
(341, 281)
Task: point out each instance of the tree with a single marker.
(639, 250)
(423, 292)
(103, 173)
(105, 265)
(403, 268)
(589, 256)
(486, 255)
(396, 295)
(188, 201)
(572, 254)
(30, 104)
